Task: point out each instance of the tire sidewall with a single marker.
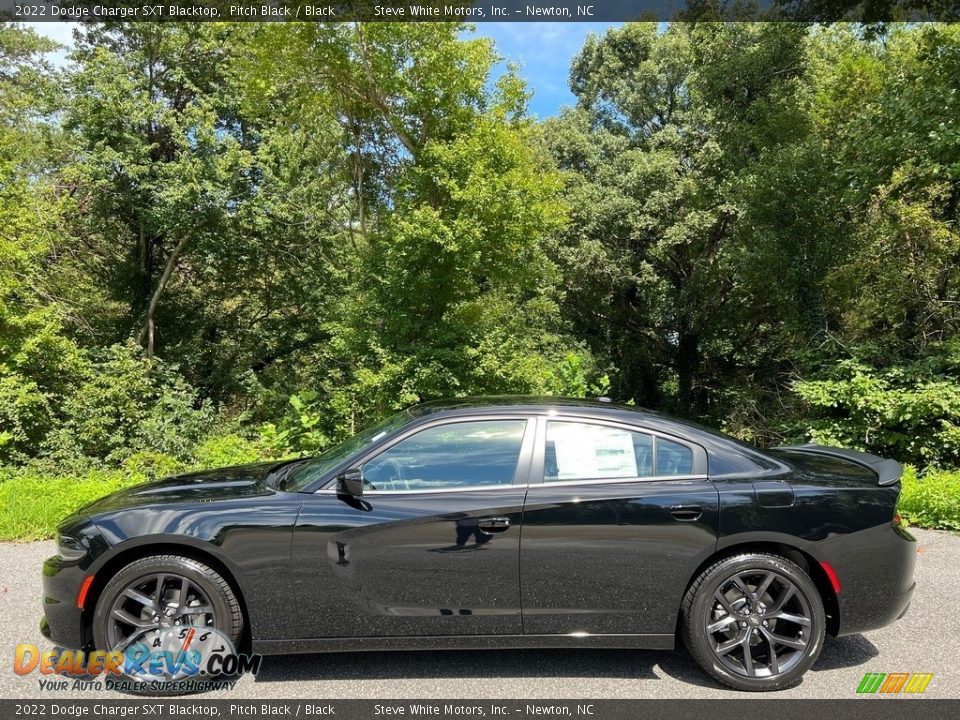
(695, 627)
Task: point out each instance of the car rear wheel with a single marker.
(168, 603)
(754, 621)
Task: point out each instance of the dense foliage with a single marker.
(221, 242)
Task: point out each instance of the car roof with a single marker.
(528, 403)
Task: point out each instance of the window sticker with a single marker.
(592, 451)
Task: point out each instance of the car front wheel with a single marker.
(159, 608)
(754, 621)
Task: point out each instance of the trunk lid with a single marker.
(820, 458)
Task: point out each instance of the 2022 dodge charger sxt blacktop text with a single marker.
(503, 523)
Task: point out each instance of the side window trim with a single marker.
(538, 477)
(521, 473)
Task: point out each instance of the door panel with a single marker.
(612, 555)
(409, 564)
(613, 558)
(435, 554)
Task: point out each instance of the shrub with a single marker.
(299, 431)
(910, 412)
(226, 450)
(932, 499)
(128, 403)
(38, 368)
(24, 417)
(151, 465)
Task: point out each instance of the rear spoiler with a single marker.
(888, 471)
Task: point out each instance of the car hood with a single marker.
(208, 485)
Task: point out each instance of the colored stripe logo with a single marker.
(894, 683)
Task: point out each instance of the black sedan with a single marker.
(503, 523)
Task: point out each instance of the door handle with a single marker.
(686, 513)
(495, 524)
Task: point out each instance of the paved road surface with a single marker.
(926, 640)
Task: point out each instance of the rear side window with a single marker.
(584, 451)
(673, 458)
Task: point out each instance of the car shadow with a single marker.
(427, 664)
(845, 652)
(837, 653)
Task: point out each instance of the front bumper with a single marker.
(62, 620)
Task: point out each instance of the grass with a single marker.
(31, 505)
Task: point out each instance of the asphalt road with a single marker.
(926, 640)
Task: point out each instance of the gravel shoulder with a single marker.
(926, 640)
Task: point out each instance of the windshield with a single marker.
(313, 468)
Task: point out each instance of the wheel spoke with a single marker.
(762, 587)
(158, 592)
(721, 624)
(784, 598)
(125, 617)
(741, 586)
(774, 663)
(182, 600)
(128, 640)
(139, 597)
(795, 643)
(747, 654)
(722, 599)
(791, 617)
(726, 647)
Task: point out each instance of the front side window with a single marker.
(308, 471)
(481, 453)
(583, 451)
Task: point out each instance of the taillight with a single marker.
(897, 520)
(831, 576)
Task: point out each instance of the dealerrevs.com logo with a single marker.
(177, 660)
(894, 683)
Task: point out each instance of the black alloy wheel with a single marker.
(156, 600)
(754, 622)
(154, 603)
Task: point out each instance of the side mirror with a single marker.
(350, 482)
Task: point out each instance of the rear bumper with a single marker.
(875, 569)
(62, 620)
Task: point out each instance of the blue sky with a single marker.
(542, 50)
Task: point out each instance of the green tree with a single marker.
(37, 361)
(452, 200)
(653, 254)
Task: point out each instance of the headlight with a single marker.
(69, 548)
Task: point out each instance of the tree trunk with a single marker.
(146, 337)
(688, 362)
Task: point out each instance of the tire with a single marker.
(721, 623)
(204, 588)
